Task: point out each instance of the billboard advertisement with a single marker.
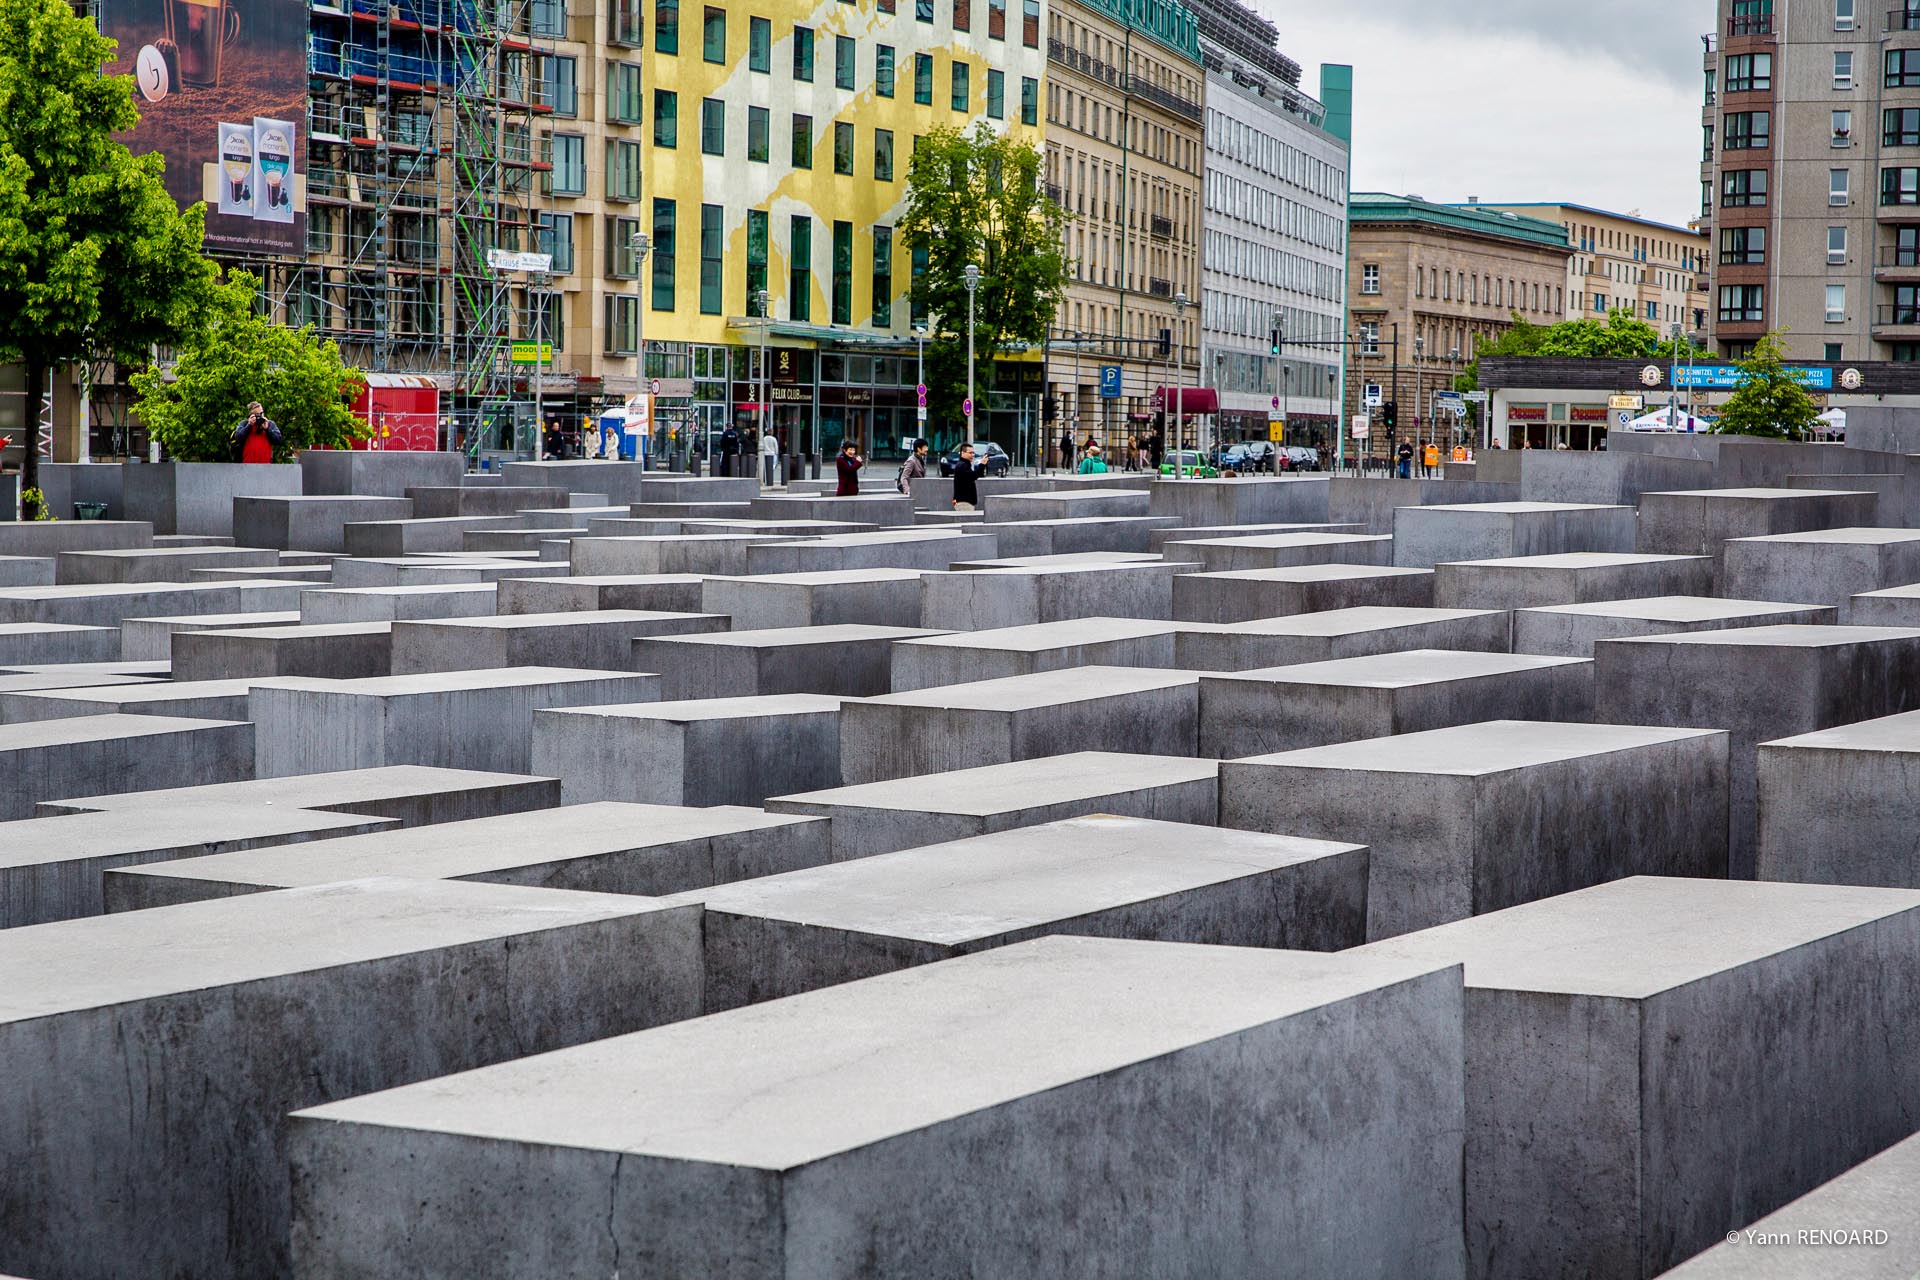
(222, 91)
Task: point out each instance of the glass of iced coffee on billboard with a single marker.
(201, 30)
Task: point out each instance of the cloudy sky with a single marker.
(1514, 100)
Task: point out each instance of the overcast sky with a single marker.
(1516, 100)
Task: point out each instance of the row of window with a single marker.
(1158, 142)
(1498, 291)
(713, 30)
(1747, 188)
(1642, 248)
(1258, 149)
(1269, 264)
(1271, 211)
(1224, 311)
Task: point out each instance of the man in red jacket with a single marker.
(257, 437)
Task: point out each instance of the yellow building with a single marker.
(1624, 261)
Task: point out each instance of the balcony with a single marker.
(1160, 228)
(1896, 320)
(1153, 93)
(1895, 262)
(1160, 288)
(1053, 193)
(1745, 25)
(1907, 212)
(1903, 19)
(1068, 56)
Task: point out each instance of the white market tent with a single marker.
(1833, 424)
(1668, 419)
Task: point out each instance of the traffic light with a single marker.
(1166, 343)
(1276, 343)
(1049, 409)
(1390, 414)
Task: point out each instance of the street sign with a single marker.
(1276, 430)
(1455, 407)
(1109, 382)
(921, 412)
(655, 387)
(1478, 397)
(1374, 397)
(1622, 417)
(639, 415)
(966, 407)
(1634, 403)
(1276, 402)
(921, 391)
(1448, 397)
(506, 260)
(1361, 427)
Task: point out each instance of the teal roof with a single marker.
(1167, 21)
(1587, 208)
(1379, 207)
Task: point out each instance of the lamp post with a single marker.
(640, 245)
(1179, 375)
(972, 274)
(920, 375)
(764, 301)
(539, 297)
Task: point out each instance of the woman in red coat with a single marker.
(847, 466)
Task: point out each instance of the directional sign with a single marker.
(966, 407)
(1478, 397)
(1374, 400)
(1454, 407)
(1109, 382)
(921, 413)
(1361, 427)
(1448, 397)
(1276, 431)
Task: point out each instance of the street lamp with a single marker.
(1179, 354)
(920, 375)
(640, 245)
(763, 301)
(972, 274)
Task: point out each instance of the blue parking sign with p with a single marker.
(1109, 382)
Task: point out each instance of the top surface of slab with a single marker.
(906, 533)
(313, 790)
(1855, 537)
(1279, 540)
(450, 681)
(784, 1083)
(822, 577)
(31, 734)
(139, 955)
(1041, 636)
(990, 885)
(1339, 622)
(429, 589)
(1315, 573)
(1008, 788)
(31, 841)
(1635, 938)
(1399, 670)
(1044, 688)
(1894, 734)
(562, 618)
(696, 710)
(782, 637)
(1754, 493)
(1087, 562)
(1477, 750)
(225, 621)
(308, 631)
(1575, 560)
(622, 579)
(1787, 635)
(1672, 608)
(1519, 508)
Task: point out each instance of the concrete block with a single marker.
(689, 488)
(26, 571)
(412, 795)
(883, 510)
(676, 512)
(1824, 566)
(784, 528)
(1896, 508)
(990, 598)
(1758, 683)
(1426, 536)
(1158, 538)
(601, 640)
(65, 483)
(1480, 817)
(1372, 501)
(1578, 577)
(55, 642)
(309, 523)
(1838, 806)
(892, 1148)
(152, 638)
(48, 538)
(1337, 633)
(1572, 630)
(715, 751)
(304, 574)
(48, 759)
(1118, 709)
(1068, 560)
(52, 868)
(1067, 504)
(442, 571)
(565, 517)
(878, 817)
(177, 1164)
(108, 605)
(1893, 607)
(619, 482)
(845, 660)
(1282, 550)
(598, 848)
(1244, 501)
(398, 604)
(1246, 594)
(437, 501)
(197, 497)
(705, 554)
(390, 538)
(1249, 713)
(330, 651)
(1610, 477)
(969, 656)
(479, 719)
(1654, 1063)
(864, 597)
(1699, 522)
(928, 547)
(377, 473)
(1083, 533)
(1101, 876)
(155, 564)
(192, 699)
(659, 592)
(523, 538)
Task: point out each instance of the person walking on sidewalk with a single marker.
(769, 457)
(913, 468)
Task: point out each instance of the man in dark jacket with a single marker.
(729, 449)
(255, 439)
(966, 479)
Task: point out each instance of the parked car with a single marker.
(986, 451)
(1302, 458)
(1189, 463)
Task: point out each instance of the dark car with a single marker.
(1302, 458)
(1249, 457)
(986, 451)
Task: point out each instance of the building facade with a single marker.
(1274, 254)
(1622, 261)
(1810, 178)
(1428, 283)
(1125, 154)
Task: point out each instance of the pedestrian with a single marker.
(913, 468)
(729, 448)
(1405, 454)
(966, 479)
(847, 468)
(1066, 450)
(257, 436)
(769, 456)
(1093, 464)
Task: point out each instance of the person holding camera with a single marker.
(256, 438)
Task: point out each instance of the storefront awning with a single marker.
(1188, 400)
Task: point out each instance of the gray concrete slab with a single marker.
(109, 605)
(846, 660)
(193, 699)
(1579, 577)
(387, 538)
(618, 481)
(712, 751)
(438, 571)
(310, 522)
(48, 538)
(1838, 806)
(1069, 560)
(1158, 538)
(1249, 500)
(968, 656)
(197, 497)
(1893, 607)
(479, 719)
(878, 817)
(1062, 504)
(1082, 533)
(51, 868)
(928, 547)
(1824, 566)
(1475, 818)
(664, 592)
(152, 638)
(884, 509)
(964, 726)
(412, 795)
(894, 1147)
(1281, 550)
(601, 847)
(787, 528)
(155, 564)
(864, 597)
(26, 571)
(1246, 594)
(48, 759)
(1572, 630)
(398, 604)
(329, 651)
(1654, 1063)
(1758, 683)
(506, 499)
(1100, 876)
(1430, 535)
(1313, 704)
(985, 599)
(1333, 634)
(381, 472)
(599, 639)
(1699, 522)
(523, 538)
(305, 574)
(707, 554)
(55, 642)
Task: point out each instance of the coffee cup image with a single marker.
(156, 69)
(236, 161)
(276, 163)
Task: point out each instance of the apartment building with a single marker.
(1622, 261)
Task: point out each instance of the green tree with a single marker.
(1621, 337)
(976, 198)
(1769, 401)
(95, 258)
(238, 356)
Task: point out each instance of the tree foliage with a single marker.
(977, 198)
(238, 356)
(95, 258)
(1769, 401)
(1620, 337)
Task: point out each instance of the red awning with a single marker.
(1188, 400)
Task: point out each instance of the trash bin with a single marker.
(89, 511)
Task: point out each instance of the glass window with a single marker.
(843, 47)
(1843, 69)
(1748, 131)
(666, 26)
(713, 35)
(923, 10)
(883, 70)
(623, 86)
(1900, 127)
(1906, 247)
(623, 263)
(1903, 68)
(1843, 15)
(1837, 246)
(923, 79)
(1743, 246)
(1742, 303)
(799, 267)
(842, 147)
(918, 267)
(1842, 122)
(1906, 306)
(962, 86)
(803, 54)
(1839, 187)
(567, 152)
(666, 118)
(1836, 303)
(713, 127)
(883, 155)
(756, 258)
(622, 324)
(1899, 186)
(1743, 188)
(996, 19)
(759, 127)
(843, 273)
(963, 15)
(1029, 100)
(882, 277)
(1370, 278)
(548, 17)
(560, 87)
(712, 261)
(996, 95)
(623, 170)
(625, 24)
(759, 44)
(662, 258)
(1749, 72)
(1030, 23)
(803, 142)
(556, 238)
